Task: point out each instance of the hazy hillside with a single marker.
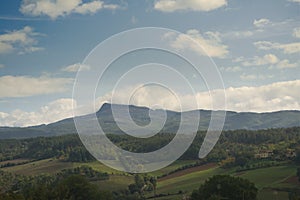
(234, 120)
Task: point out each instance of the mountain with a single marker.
(233, 121)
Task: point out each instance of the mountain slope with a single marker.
(234, 120)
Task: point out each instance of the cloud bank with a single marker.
(207, 43)
(296, 32)
(268, 59)
(54, 111)
(58, 8)
(75, 68)
(266, 98)
(23, 86)
(195, 5)
(289, 48)
(22, 41)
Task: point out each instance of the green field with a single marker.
(272, 177)
(186, 183)
(115, 182)
(47, 166)
(98, 166)
(272, 182)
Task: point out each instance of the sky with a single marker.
(255, 46)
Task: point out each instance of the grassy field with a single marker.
(271, 177)
(187, 182)
(269, 194)
(47, 166)
(273, 182)
(115, 182)
(98, 166)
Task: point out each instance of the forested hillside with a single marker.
(233, 121)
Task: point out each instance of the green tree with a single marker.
(225, 187)
(153, 181)
(297, 159)
(77, 187)
(293, 196)
(243, 159)
(298, 174)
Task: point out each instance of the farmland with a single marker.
(272, 182)
(56, 157)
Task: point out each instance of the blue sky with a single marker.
(255, 45)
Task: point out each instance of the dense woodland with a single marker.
(44, 187)
(282, 144)
(239, 150)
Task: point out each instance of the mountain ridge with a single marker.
(140, 114)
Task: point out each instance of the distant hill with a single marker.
(234, 121)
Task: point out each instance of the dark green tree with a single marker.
(77, 187)
(225, 187)
(153, 181)
(298, 174)
(297, 159)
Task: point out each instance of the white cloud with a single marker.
(238, 34)
(260, 23)
(284, 64)
(251, 77)
(248, 77)
(243, 33)
(296, 32)
(195, 5)
(265, 27)
(231, 69)
(22, 41)
(22, 86)
(239, 59)
(262, 28)
(3, 115)
(90, 7)
(265, 45)
(76, 67)
(272, 97)
(265, 60)
(296, 1)
(209, 43)
(133, 20)
(54, 111)
(276, 96)
(268, 59)
(289, 48)
(57, 8)
(2, 66)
